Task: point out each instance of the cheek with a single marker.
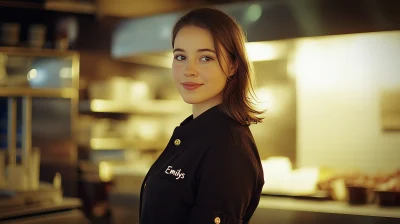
(218, 78)
(222, 81)
(175, 72)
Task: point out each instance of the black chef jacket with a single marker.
(210, 172)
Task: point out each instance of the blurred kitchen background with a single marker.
(87, 103)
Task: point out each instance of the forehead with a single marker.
(193, 37)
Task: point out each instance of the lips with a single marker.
(191, 85)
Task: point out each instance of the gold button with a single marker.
(177, 142)
(217, 220)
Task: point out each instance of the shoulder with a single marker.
(233, 143)
(230, 135)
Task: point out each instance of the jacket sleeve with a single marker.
(227, 180)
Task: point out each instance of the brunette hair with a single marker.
(238, 94)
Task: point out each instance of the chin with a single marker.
(193, 98)
(190, 100)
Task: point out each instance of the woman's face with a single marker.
(197, 73)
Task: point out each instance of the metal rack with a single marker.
(148, 107)
(28, 93)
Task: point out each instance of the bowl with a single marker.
(388, 198)
(357, 195)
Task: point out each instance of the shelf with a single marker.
(46, 93)
(331, 207)
(120, 143)
(71, 6)
(21, 4)
(108, 143)
(36, 52)
(161, 107)
(78, 7)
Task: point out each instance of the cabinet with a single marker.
(38, 109)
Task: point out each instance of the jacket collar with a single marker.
(201, 125)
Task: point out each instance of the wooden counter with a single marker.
(283, 211)
(292, 211)
(17, 212)
(328, 207)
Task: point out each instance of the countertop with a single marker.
(334, 207)
(301, 205)
(65, 204)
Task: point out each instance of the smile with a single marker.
(191, 86)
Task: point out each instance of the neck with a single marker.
(200, 108)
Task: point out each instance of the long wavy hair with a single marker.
(238, 94)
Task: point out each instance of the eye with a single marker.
(179, 57)
(206, 58)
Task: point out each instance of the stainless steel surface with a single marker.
(390, 109)
(75, 216)
(292, 211)
(75, 68)
(54, 110)
(45, 194)
(32, 52)
(47, 93)
(285, 19)
(122, 143)
(26, 130)
(277, 134)
(337, 207)
(152, 107)
(36, 212)
(113, 8)
(12, 131)
(279, 210)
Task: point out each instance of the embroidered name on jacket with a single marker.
(176, 173)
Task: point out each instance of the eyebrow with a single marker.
(199, 50)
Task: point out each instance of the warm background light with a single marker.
(338, 84)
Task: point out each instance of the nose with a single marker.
(190, 69)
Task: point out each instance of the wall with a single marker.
(276, 92)
(338, 83)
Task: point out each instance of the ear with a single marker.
(233, 68)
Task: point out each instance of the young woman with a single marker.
(210, 171)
